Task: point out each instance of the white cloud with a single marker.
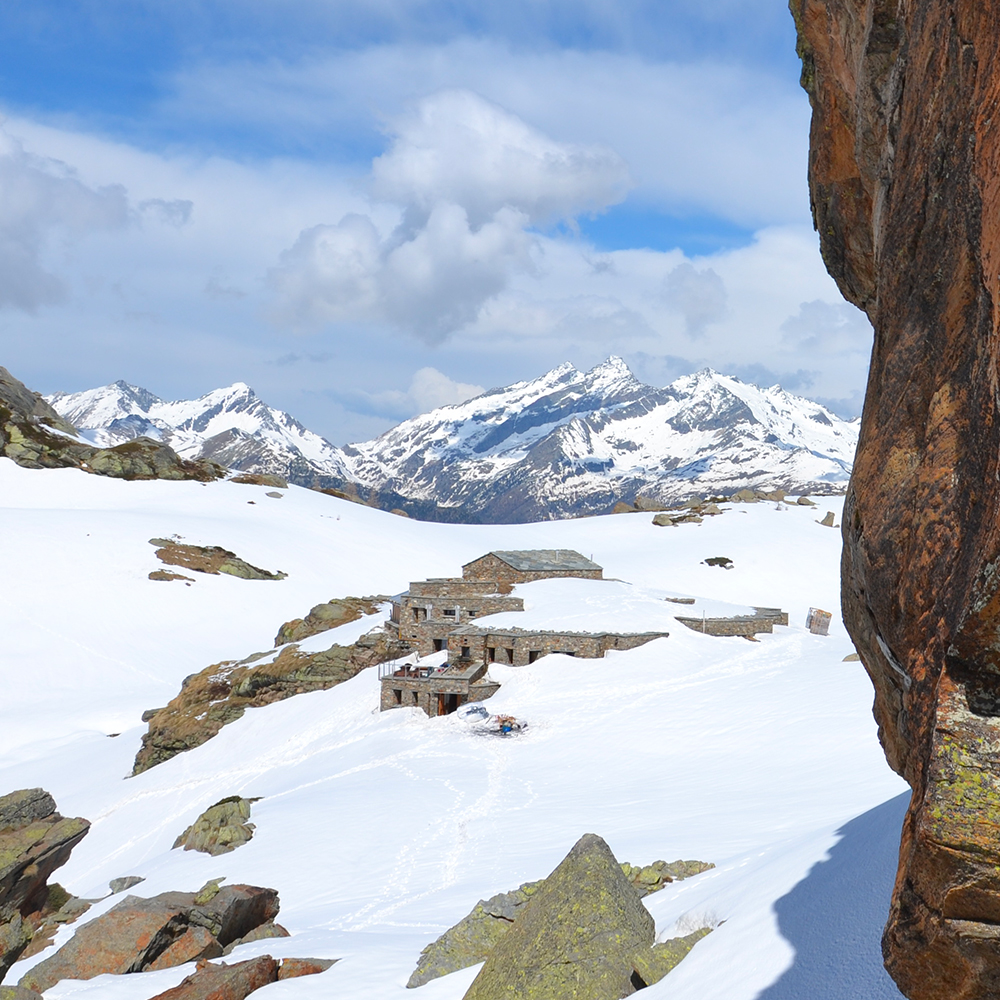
(40, 198)
(470, 178)
(700, 296)
(428, 390)
(457, 147)
(699, 137)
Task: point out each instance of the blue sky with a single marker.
(365, 209)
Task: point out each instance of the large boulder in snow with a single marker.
(224, 982)
(157, 933)
(34, 841)
(579, 935)
(220, 828)
(475, 936)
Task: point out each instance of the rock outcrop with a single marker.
(235, 982)
(34, 841)
(33, 435)
(330, 614)
(211, 559)
(583, 933)
(224, 982)
(904, 176)
(475, 936)
(221, 693)
(157, 933)
(220, 828)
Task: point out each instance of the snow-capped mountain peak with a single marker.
(565, 443)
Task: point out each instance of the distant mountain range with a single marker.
(567, 443)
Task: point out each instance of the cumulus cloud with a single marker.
(700, 296)
(457, 147)
(470, 179)
(828, 328)
(41, 198)
(428, 390)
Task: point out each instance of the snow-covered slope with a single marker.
(380, 830)
(232, 426)
(567, 443)
(572, 442)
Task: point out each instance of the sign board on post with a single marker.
(818, 622)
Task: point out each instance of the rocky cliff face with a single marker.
(905, 185)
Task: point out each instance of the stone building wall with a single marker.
(491, 567)
(430, 609)
(438, 693)
(519, 648)
(746, 625)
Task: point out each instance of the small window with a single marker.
(510, 655)
(472, 612)
(492, 651)
(466, 652)
(415, 698)
(533, 655)
(398, 695)
(450, 613)
(439, 644)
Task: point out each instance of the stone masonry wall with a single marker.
(491, 567)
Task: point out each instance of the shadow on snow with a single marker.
(835, 915)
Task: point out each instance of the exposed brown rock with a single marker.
(331, 614)
(167, 576)
(904, 176)
(261, 479)
(221, 693)
(17, 993)
(160, 932)
(210, 559)
(292, 968)
(34, 841)
(224, 982)
(35, 436)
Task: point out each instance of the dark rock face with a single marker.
(34, 841)
(35, 436)
(157, 933)
(905, 184)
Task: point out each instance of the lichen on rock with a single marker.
(221, 828)
(33, 435)
(476, 935)
(211, 559)
(221, 693)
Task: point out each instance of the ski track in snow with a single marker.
(381, 830)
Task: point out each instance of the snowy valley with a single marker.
(380, 830)
(564, 444)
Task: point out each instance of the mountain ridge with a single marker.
(567, 443)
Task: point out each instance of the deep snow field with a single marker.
(382, 830)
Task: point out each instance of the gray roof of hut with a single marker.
(543, 559)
